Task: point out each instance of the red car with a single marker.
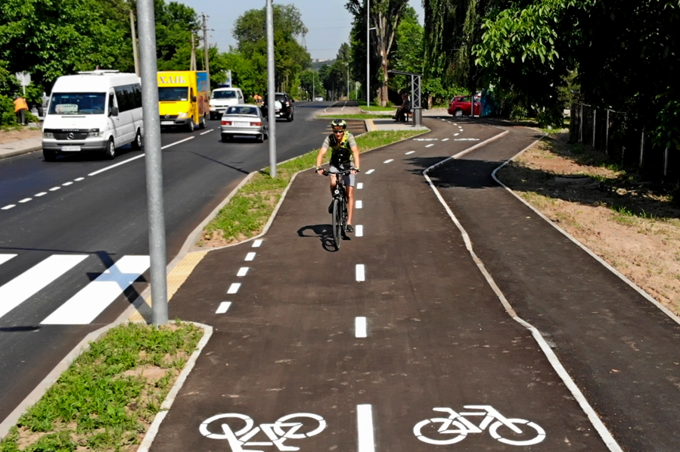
(461, 105)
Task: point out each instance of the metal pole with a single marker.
(271, 99)
(134, 42)
(606, 137)
(205, 45)
(594, 126)
(154, 164)
(368, 53)
(347, 81)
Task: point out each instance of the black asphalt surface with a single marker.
(438, 337)
(105, 217)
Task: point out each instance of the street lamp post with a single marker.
(347, 64)
(368, 53)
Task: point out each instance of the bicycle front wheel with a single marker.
(337, 223)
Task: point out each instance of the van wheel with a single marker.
(190, 126)
(50, 156)
(202, 125)
(137, 144)
(110, 151)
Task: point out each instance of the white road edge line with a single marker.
(250, 256)
(243, 271)
(223, 307)
(359, 230)
(361, 272)
(360, 329)
(137, 157)
(207, 131)
(545, 348)
(365, 428)
(234, 288)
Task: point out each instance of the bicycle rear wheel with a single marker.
(337, 223)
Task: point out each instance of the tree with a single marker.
(385, 16)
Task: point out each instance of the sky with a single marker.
(328, 21)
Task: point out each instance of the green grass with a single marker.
(356, 116)
(249, 210)
(100, 402)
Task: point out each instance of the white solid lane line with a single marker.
(361, 272)
(365, 428)
(223, 307)
(243, 271)
(388, 161)
(6, 257)
(410, 152)
(257, 243)
(25, 200)
(370, 171)
(207, 131)
(94, 298)
(360, 185)
(138, 157)
(359, 204)
(234, 288)
(42, 193)
(359, 230)
(35, 279)
(66, 184)
(250, 257)
(55, 188)
(429, 145)
(360, 329)
(9, 206)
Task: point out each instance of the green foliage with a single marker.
(7, 115)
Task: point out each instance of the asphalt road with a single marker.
(375, 347)
(77, 217)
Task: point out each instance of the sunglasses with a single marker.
(338, 132)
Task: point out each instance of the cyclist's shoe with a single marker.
(349, 229)
(330, 208)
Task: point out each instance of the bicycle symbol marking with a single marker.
(284, 429)
(457, 425)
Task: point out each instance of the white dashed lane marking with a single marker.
(243, 271)
(55, 188)
(388, 161)
(366, 442)
(360, 185)
(360, 329)
(223, 307)
(66, 184)
(234, 288)
(25, 200)
(250, 257)
(370, 171)
(429, 145)
(359, 204)
(9, 206)
(42, 193)
(445, 139)
(207, 131)
(361, 272)
(79, 179)
(410, 152)
(456, 134)
(257, 243)
(359, 230)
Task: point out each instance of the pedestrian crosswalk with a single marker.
(86, 304)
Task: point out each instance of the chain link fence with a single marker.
(607, 131)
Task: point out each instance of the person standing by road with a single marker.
(20, 108)
(344, 156)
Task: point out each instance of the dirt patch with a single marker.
(7, 136)
(628, 222)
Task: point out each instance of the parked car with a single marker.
(461, 105)
(318, 99)
(244, 119)
(284, 106)
(222, 98)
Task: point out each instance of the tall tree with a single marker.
(385, 16)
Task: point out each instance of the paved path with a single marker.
(289, 341)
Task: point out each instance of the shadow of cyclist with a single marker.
(324, 232)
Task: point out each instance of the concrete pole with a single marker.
(154, 163)
(368, 53)
(271, 93)
(206, 48)
(134, 42)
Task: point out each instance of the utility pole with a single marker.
(271, 92)
(206, 48)
(192, 62)
(154, 161)
(134, 41)
(368, 53)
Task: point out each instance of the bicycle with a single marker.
(457, 425)
(339, 206)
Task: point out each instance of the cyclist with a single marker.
(344, 156)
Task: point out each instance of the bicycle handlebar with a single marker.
(339, 173)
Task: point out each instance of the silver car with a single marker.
(244, 119)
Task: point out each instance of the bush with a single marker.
(7, 115)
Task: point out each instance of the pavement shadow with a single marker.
(323, 232)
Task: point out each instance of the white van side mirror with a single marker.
(113, 111)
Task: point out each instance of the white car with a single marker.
(318, 99)
(221, 98)
(245, 119)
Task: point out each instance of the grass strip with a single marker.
(249, 210)
(108, 397)
(357, 116)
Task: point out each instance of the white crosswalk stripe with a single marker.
(94, 298)
(35, 279)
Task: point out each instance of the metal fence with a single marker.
(607, 131)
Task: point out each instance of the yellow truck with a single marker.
(184, 99)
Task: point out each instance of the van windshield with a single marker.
(77, 104)
(173, 94)
(224, 94)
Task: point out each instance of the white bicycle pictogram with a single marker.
(457, 425)
(286, 428)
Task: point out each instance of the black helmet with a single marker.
(338, 123)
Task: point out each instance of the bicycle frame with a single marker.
(490, 413)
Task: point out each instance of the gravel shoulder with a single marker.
(628, 222)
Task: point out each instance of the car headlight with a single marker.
(182, 115)
(48, 135)
(93, 133)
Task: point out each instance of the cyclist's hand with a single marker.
(320, 171)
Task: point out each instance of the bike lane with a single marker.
(436, 334)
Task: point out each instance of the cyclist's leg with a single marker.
(334, 179)
(350, 204)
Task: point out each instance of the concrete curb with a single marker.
(172, 395)
(6, 155)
